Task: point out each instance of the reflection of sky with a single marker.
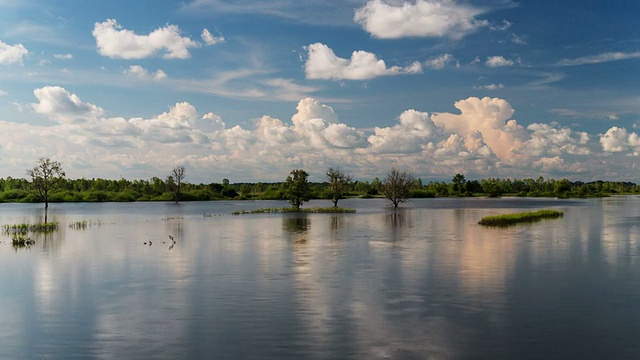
(423, 281)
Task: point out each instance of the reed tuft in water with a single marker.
(20, 240)
(25, 228)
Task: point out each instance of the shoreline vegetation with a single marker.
(522, 217)
(156, 189)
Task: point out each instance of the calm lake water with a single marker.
(423, 282)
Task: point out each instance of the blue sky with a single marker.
(249, 90)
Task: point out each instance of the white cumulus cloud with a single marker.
(210, 39)
(115, 42)
(61, 105)
(11, 54)
(619, 140)
(439, 62)
(422, 18)
(322, 63)
(310, 108)
(498, 61)
(414, 131)
(550, 164)
(274, 132)
(549, 139)
(142, 73)
(481, 139)
(490, 117)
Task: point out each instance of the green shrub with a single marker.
(271, 194)
(421, 194)
(12, 195)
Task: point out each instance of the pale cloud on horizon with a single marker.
(482, 138)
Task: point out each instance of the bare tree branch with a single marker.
(396, 186)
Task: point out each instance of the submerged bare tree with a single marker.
(338, 184)
(396, 186)
(45, 176)
(174, 181)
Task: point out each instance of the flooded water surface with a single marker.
(191, 281)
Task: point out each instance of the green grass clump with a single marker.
(20, 240)
(24, 228)
(323, 210)
(510, 219)
(79, 225)
(84, 224)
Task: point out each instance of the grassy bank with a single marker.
(510, 219)
(327, 210)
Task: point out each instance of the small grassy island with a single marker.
(511, 219)
(326, 210)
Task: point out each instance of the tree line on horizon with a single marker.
(48, 183)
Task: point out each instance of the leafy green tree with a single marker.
(228, 192)
(458, 184)
(297, 189)
(491, 187)
(376, 186)
(338, 184)
(396, 186)
(561, 187)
